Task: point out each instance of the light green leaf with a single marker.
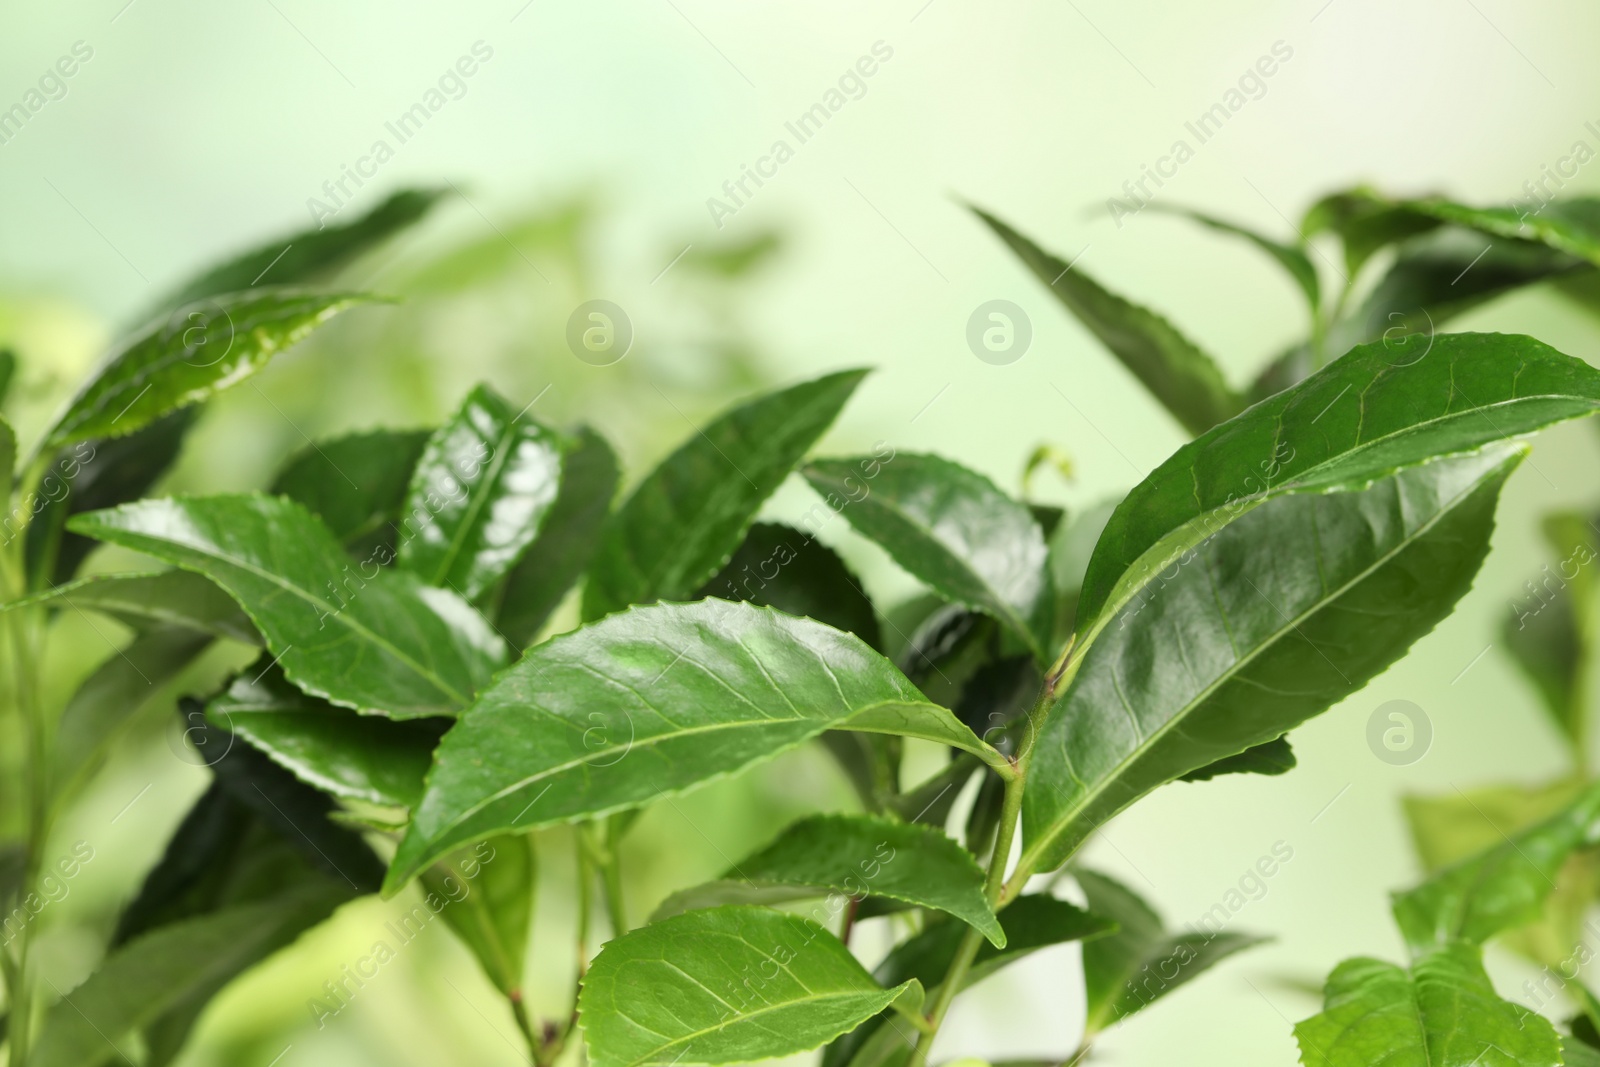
(1141, 961)
(374, 640)
(566, 543)
(144, 601)
(1379, 409)
(952, 528)
(1281, 614)
(356, 485)
(490, 887)
(647, 703)
(1442, 1013)
(1184, 379)
(479, 494)
(683, 522)
(1500, 888)
(184, 360)
(1289, 257)
(1550, 630)
(364, 757)
(854, 856)
(725, 985)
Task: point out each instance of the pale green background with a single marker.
(199, 126)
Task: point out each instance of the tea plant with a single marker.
(412, 718)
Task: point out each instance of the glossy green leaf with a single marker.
(374, 640)
(566, 543)
(855, 856)
(684, 521)
(356, 485)
(1141, 961)
(1381, 408)
(310, 254)
(490, 887)
(139, 983)
(479, 494)
(143, 601)
(1571, 225)
(725, 985)
(363, 757)
(952, 528)
(1183, 378)
(1254, 634)
(781, 567)
(1289, 257)
(1441, 1013)
(1273, 758)
(647, 703)
(1499, 888)
(187, 358)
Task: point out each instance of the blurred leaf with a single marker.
(684, 521)
(8, 373)
(854, 856)
(952, 528)
(356, 485)
(1365, 222)
(377, 642)
(1185, 380)
(1550, 633)
(694, 990)
(146, 601)
(734, 259)
(495, 914)
(1289, 257)
(1571, 225)
(1071, 546)
(1273, 758)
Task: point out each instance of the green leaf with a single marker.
(566, 543)
(1273, 758)
(363, 757)
(1071, 547)
(953, 529)
(725, 985)
(186, 359)
(378, 642)
(1571, 225)
(1366, 223)
(855, 856)
(647, 703)
(310, 254)
(356, 485)
(1379, 409)
(8, 463)
(1550, 631)
(1279, 615)
(146, 978)
(1442, 1013)
(1289, 257)
(8, 373)
(1031, 923)
(491, 890)
(145, 601)
(683, 522)
(479, 494)
(781, 567)
(1499, 888)
(1184, 379)
(1142, 960)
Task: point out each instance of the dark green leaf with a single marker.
(1499, 888)
(356, 485)
(952, 528)
(187, 358)
(145, 601)
(8, 373)
(365, 757)
(491, 890)
(1273, 758)
(1379, 409)
(1365, 222)
(725, 985)
(1571, 226)
(1442, 1013)
(1142, 961)
(854, 856)
(1254, 634)
(479, 494)
(568, 540)
(1291, 258)
(651, 702)
(780, 567)
(377, 642)
(1178, 374)
(944, 652)
(684, 521)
